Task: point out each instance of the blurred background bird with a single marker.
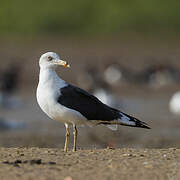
(9, 84)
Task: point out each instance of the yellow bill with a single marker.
(63, 63)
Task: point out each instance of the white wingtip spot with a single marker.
(126, 120)
(113, 127)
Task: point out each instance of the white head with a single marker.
(51, 60)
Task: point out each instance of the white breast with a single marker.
(48, 92)
(45, 100)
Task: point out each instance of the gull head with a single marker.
(51, 60)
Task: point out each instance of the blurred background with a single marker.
(127, 53)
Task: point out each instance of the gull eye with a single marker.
(50, 58)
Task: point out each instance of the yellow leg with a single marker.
(67, 138)
(75, 132)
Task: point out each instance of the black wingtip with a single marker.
(138, 126)
(138, 123)
(141, 124)
(145, 126)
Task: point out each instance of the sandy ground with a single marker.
(44, 163)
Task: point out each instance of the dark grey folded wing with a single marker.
(89, 106)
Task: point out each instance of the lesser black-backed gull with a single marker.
(73, 106)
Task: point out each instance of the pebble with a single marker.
(51, 162)
(68, 178)
(36, 161)
(17, 161)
